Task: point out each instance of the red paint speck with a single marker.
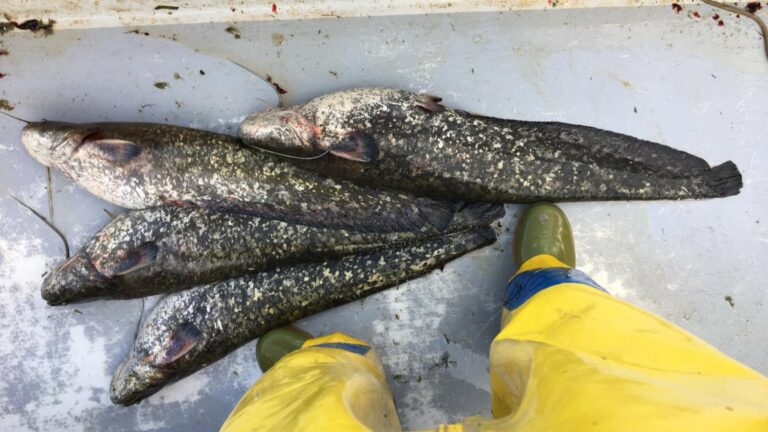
(720, 23)
(715, 17)
(696, 14)
(677, 8)
(274, 8)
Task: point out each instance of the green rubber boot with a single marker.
(277, 343)
(544, 229)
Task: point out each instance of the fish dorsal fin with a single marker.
(112, 149)
(356, 146)
(134, 259)
(178, 343)
(430, 103)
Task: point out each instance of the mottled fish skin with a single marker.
(165, 249)
(224, 316)
(140, 165)
(427, 149)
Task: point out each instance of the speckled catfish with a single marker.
(165, 249)
(191, 329)
(139, 165)
(409, 142)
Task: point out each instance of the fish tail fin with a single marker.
(469, 215)
(724, 180)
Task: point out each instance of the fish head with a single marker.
(76, 277)
(162, 348)
(51, 143)
(136, 379)
(283, 131)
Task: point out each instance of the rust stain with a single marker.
(5, 105)
(277, 39)
(277, 87)
(622, 81)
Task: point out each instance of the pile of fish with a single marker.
(314, 206)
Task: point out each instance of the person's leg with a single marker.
(572, 357)
(333, 383)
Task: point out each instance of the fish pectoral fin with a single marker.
(430, 103)
(134, 259)
(357, 146)
(114, 150)
(179, 343)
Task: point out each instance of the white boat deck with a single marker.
(646, 71)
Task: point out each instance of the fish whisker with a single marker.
(47, 222)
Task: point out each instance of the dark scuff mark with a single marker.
(4, 52)
(730, 301)
(715, 17)
(33, 25)
(202, 72)
(334, 73)
(445, 362)
(162, 85)
(677, 8)
(138, 32)
(165, 7)
(234, 31)
(2, 75)
(176, 76)
(5, 105)
(277, 87)
(400, 379)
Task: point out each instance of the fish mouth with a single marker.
(129, 387)
(55, 298)
(74, 279)
(55, 292)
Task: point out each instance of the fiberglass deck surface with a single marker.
(648, 72)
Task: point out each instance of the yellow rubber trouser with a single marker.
(333, 383)
(569, 357)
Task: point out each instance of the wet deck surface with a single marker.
(649, 72)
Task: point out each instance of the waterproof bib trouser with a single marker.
(569, 357)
